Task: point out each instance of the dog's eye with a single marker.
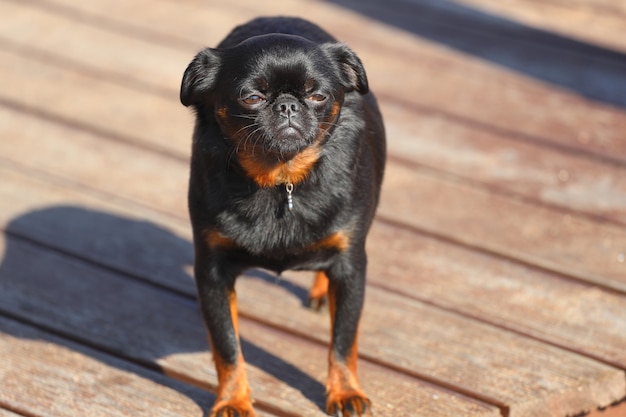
(318, 98)
(253, 100)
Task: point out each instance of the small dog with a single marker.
(287, 162)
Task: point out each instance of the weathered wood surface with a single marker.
(525, 240)
(596, 21)
(569, 183)
(497, 271)
(43, 374)
(537, 304)
(163, 329)
(7, 413)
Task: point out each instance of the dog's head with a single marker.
(274, 96)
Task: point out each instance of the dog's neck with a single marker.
(267, 172)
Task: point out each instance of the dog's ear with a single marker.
(351, 69)
(200, 77)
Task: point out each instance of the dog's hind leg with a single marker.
(318, 294)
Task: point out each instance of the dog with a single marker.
(287, 162)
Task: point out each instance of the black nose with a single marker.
(287, 107)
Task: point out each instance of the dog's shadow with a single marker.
(120, 285)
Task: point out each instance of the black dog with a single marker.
(288, 158)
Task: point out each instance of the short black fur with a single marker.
(281, 102)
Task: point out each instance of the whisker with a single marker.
(245, 116)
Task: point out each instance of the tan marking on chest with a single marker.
(216, 240)
(339, 241)
(271, 174)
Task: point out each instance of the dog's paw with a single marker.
(317, 303)
(349, 404)
(318, 295)
(241, 409)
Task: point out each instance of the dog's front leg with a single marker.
(346, 292)
(219, 307)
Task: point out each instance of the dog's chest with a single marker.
(264, 224)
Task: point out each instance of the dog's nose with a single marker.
(287, 107)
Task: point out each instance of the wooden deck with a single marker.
(497, 278)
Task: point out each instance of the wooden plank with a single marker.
(121, 317)
(504, 165)
(68, 176)
(588, 20)
(557, 241)
(618, 410)
(437, 271)
(569, 18)
(439, 332)
(391, 392)
(62, 40)
(581, 68)
(561, 242)
(38, 210)
(473, 358)
(152, 326)
(262, 302)
(92, 117)
(90, 161)
(574, 316)
(172, 171)
(513, 372)
(599, 6)
(437, 140)
(43, 375)
(516, 106)
(603, 232)
(482, 92)
(537, 173)
(96, 106)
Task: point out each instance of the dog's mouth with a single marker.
(285, 142)
(288, 134)
(278, 138)
(282, 146)
(286, 152)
